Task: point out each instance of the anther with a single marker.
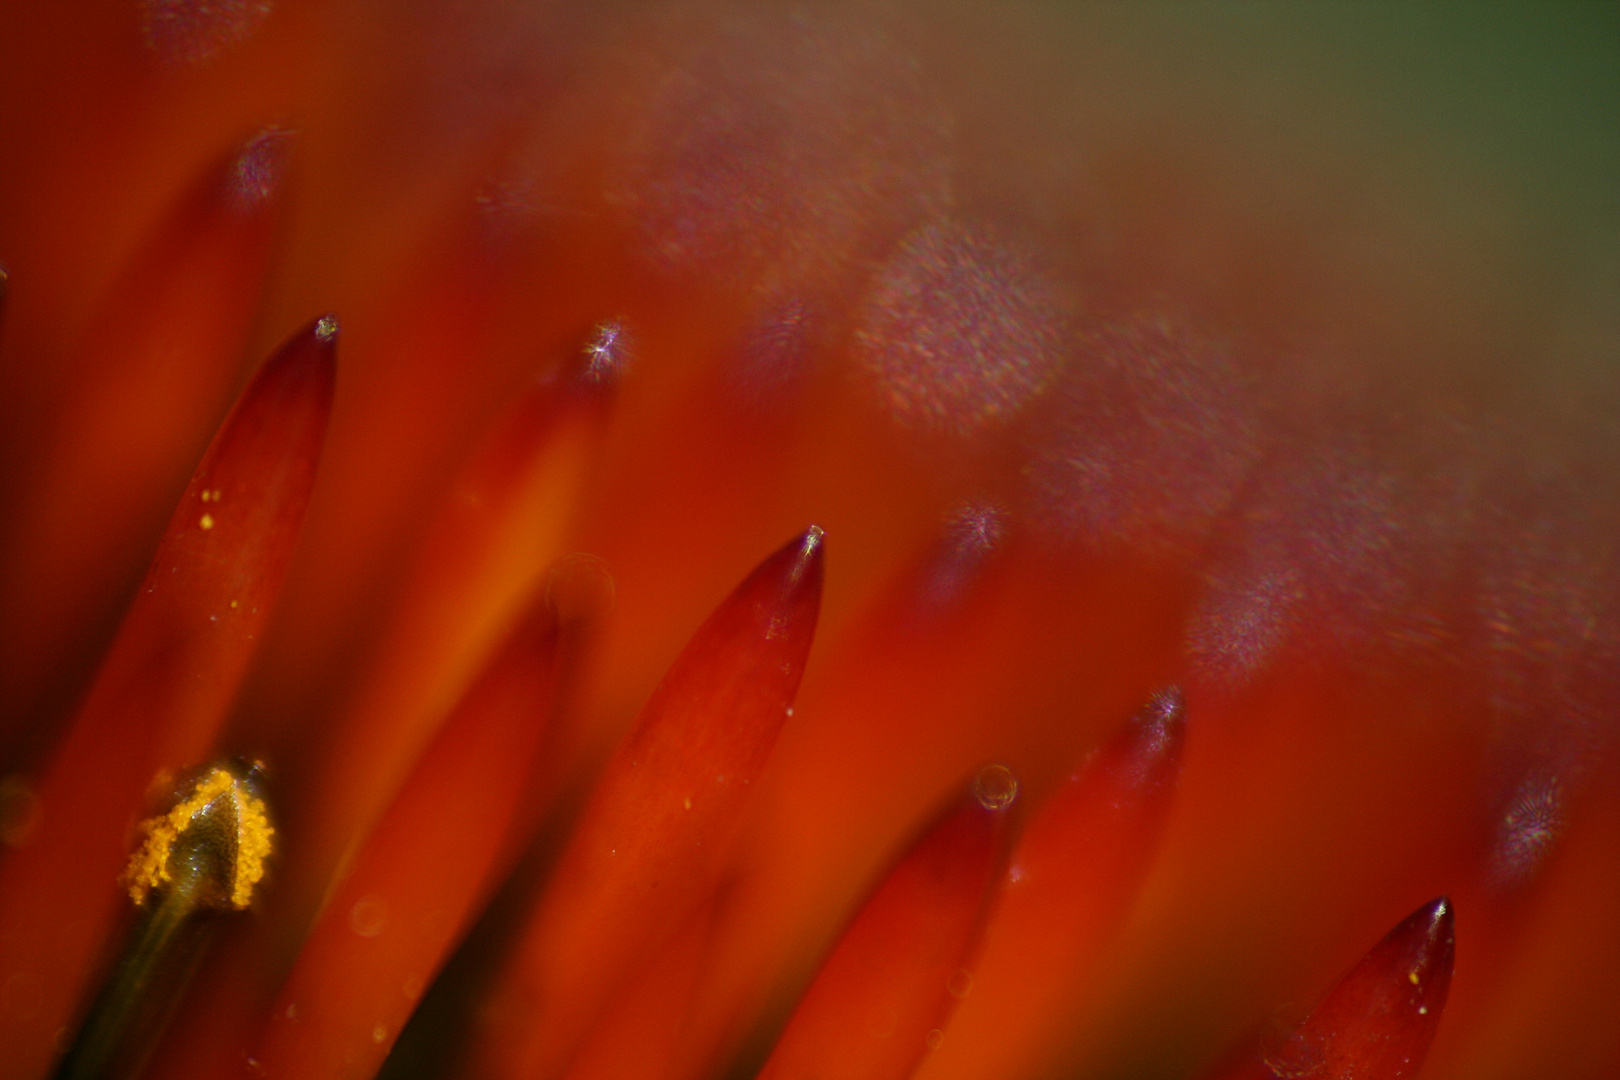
(202, 857)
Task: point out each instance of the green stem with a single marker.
(133, 1007)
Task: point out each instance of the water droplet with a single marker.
(368, 917)
(995, 787)
(960, 984)
(580, 587)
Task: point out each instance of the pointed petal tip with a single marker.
(785, 589)
(1423, 945)
(1161, 722)
(607, 352)
(1433, 920)
(1150, 746)
(311, 349)
(811, 542)
(804, 557)
(1437, 917)
(254, 174)
(306, 359)
(591, 372)
(1167, 705)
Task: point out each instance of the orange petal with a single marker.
(656, 834)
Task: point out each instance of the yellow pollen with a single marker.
(149, 866)
(207, 521)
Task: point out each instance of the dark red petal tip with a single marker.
(1379, 1021)
(1149, 750)
(809, 546)
(606, 354)
(1424, 944)
(882, 997)
(655, 838)
(787, 585)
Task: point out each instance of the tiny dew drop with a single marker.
(995, 787)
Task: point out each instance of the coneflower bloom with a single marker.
(695, 540)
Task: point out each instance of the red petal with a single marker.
(422, 875)
(139, 396)
(500, 528)
(655, 836)
(1073, 876)
(880, 1000)
(1378, 1022)
(500, 525)
(164, 688)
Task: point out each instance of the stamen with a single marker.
(202, 857)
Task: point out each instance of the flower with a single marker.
(1207, 423)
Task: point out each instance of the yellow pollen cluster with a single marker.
(253, 834)
(149, 866)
